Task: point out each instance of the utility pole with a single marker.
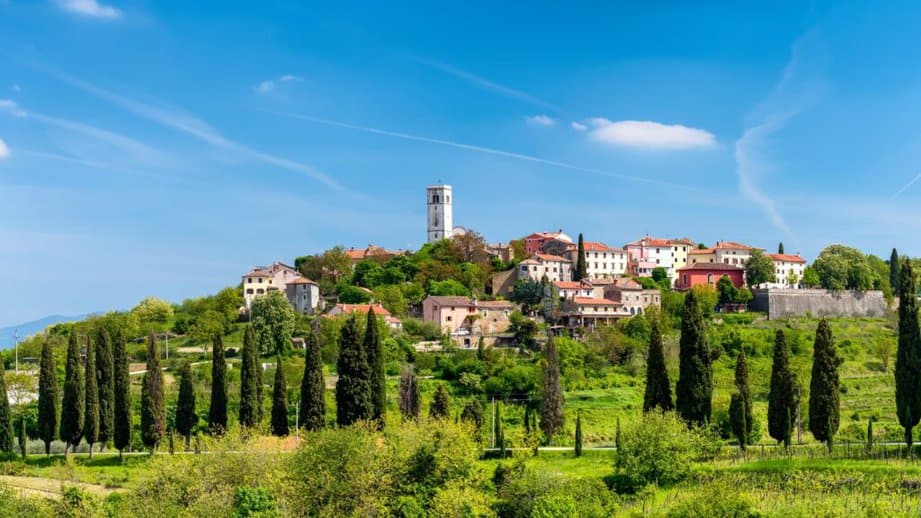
(16, 347)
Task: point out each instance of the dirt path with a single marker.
(49, 487)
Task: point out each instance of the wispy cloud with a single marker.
(492, 151)
(906, 186)
(190, 125)
(4, 150)
(15, 88)
(795, 88)
(90, 9)
(578, 126)
(649, 135)
(487, 84)
(540, 120)
(271, 84)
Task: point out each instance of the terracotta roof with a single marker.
(682, 241)
(571, 285)
(547, 235)
(698, 251)
(594, 246)
(361, 309)
(529, 261)
(302, 280)
(494, 304)
(731, 245)
(589, 301)
(649, 241)
(712, 266)
(548, 257)
(450, 300)
(256, 272)
(626, 283)
(787, 258)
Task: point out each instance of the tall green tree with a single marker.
(780, 248)
(578, 450)
(121, 413)
(908, 356)
(73, 401)
(782, 400)
(313, 387)
(695, 369)
(744, 390)
(105, 382)
(153, 416)
(895, 277)
(441, 404)
(473, 414)
(217, 412)
(273, 319)
(658, 392)
(186, 418)
(551, 408)
(250, 379)
(6, 418)
(409, 395)
(353, 389)
(738, 420)
(759, 269)
(47, 397)
(824, 387)
(91, 399)
(279, 401)
(372, 347)
(581, 270)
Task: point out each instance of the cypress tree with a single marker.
(72, 404)
(527, 418)
(6, 418)
(353, 389)
(105, 382)
(473, 414)
(152, 410)
(279, 401)
(780, 248)
(47, 398)
(551, 408)
(738, 421)
(372, 347)
(824, 396)
(581, 270)
(695, 371)
(441, 404)
(869, 435)
(217, 412)
(781, 397)
(578, 434)
(313, 387)
(249, 379)
(658, 389)
(481, 349)
(742, 386)
(409, 395)
(908, 356)
(121, 429)
(185, 405)
(22, 436)
(500, 433)
(91, 401)
(895, 271)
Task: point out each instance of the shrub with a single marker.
(254, 502)
(715, 504)
(657, 447)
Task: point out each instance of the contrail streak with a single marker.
(906, 186)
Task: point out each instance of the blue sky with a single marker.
(162, 148)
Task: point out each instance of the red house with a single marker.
(534, 242)
(708, 274)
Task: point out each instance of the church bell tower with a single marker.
(441, 222)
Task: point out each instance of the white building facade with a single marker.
(555, 268)
(440, 216)
(788, 270)
(601, 260)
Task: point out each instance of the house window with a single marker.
(709, 278)
(249, 280)
(249, 291)
(448, 318)
(260, 280)
(260, 291)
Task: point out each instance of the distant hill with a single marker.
(30, 328)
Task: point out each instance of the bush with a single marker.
(657, 448)
(715, 505)
(254, 502)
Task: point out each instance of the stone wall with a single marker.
(782, 303)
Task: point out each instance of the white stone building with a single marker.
(601, 260)
(440, 216)
(788, 270)
(554, 267)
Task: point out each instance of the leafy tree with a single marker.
(313, 387)
(656, 448)
(368, 274)
(409, 395)
(353, 389)
(121, 386)
(91, 395)
(392, 298)
(551, 409)
(759, 269)
(441, 404)
(328, 269)
(695, 370)
(47, 397)
(581, 270)
(843, 268)
(6, 418)
(206, 325)
(372, 348)
(782, 400)
(824, 395)
(279, 401)
(578, 449)
(273, 321)
(217, 412)
(105, 380)
(780, 248)
(471, 246)
(895, 279)
(811, 277)
(728, 293)
(528, 293)
(524, 330)
(152, 311)
(447, 288)
(908, 356)
(186, 418)
(153, 415)
(353, 295)
(250, 380)
(72, 405)
(658, 392)
(660, 277)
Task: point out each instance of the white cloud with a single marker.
(540, 120)
(578, 126)
(270, 84)
(650, 135)
(16, 88)
(90, 8)
(10, 106)
(4, 150)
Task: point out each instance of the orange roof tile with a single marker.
(787, 258)
(589, 301)
(555, 258)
